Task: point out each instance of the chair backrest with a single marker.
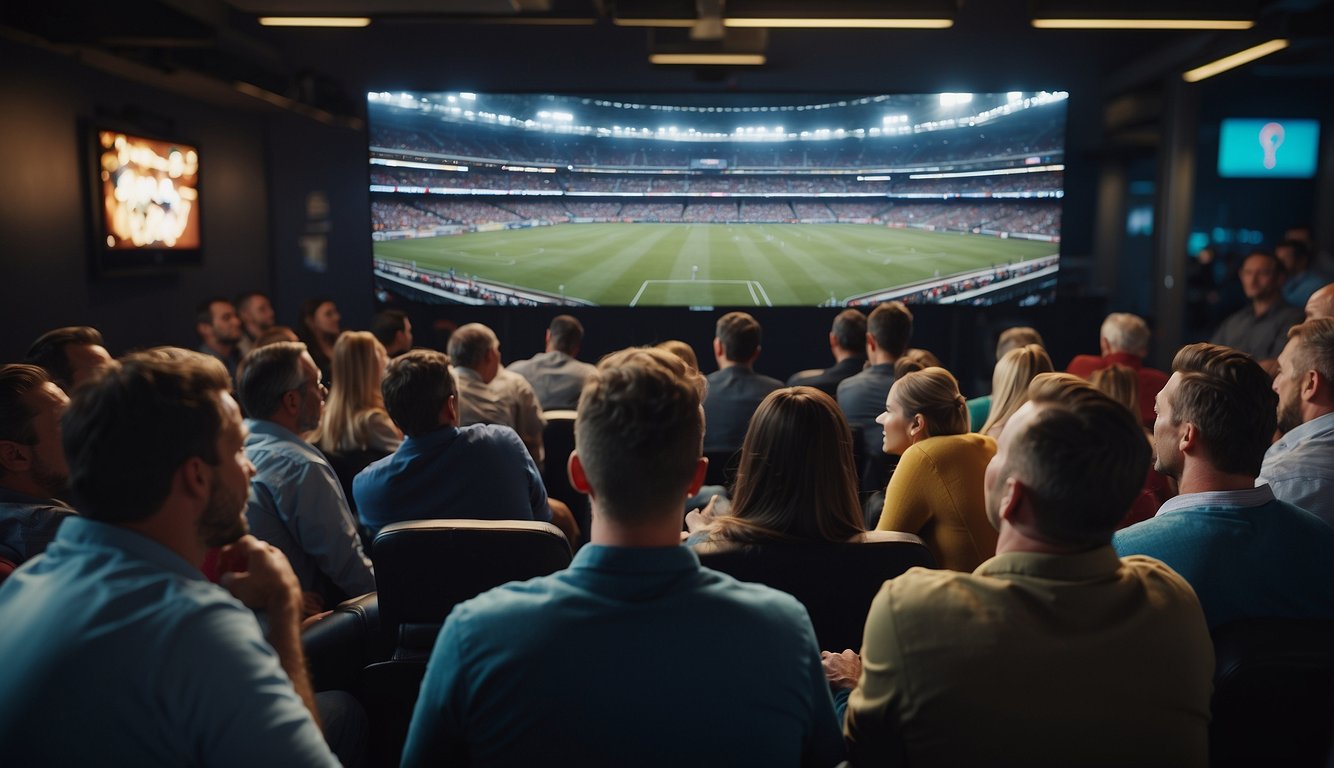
(558, 439)
(1273, 700)
(346, 464)
(836, 582)
(340, 644)
(424, 567)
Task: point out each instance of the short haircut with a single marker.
(1127, 333)
(266, 374)
(1301, 252)
(387, 324)
(469, 345)
(1018, 336)
(127, 433)
(933, 393)
(890, 324)
(567, 333)
(849, 331)
(48, 351)
(416, 385)
(639, 432)
(1230, 399)
(1083, 458)
(1269, 256)
(16, 381)
(204, 309)
(740, 336)
(245, 298)
(1316, 350)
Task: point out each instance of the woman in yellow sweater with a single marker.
(937, 490)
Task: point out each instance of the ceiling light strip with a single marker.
(1235, 60)
(315, 21)
(836, 23)
(1217, 24)
(708, 59)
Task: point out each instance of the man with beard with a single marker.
(296, 502)
(256, 314)
(70, 355)
(1299, 467)
(1055, 651)
(1246, 553)
(33, 473)
(1259, 328)
(117, 605)
(219, 332)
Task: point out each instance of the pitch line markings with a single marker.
(751, 285)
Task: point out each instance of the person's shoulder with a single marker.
(522, 367)
(1084, 365)
(763, 603)
(1157, 576)
(490, 436)
(1147, 536)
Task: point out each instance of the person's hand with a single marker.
(698, 519)
(267, 582)
(842, 670)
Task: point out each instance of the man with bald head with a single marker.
(490, 394)
(1321, 303)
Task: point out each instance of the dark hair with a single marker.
(850, 331)
(266, 374)
(242, 299)
(797, 479)
(1301, 253)
(387, 324)
(309, 307)
(416, 385)
(469, 345)
(16, 381)
(739, 334)
(639, 431)
(1279, 268)
(1231, 400)
(204, 309)
(274, 335)
(567, 333)
(1083, 458)
(890, 324)
(127, 432)
(48, 351)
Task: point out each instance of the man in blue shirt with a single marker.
(441, 470)
(33, 472)
(862, 396)
(1246, 554)
(117, 606)
(735, 389)
(599, 664)
(1300, 465)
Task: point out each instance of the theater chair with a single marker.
(836, 582)
(423, 568)
(346, 464)
(558, 439)
(1273, 700)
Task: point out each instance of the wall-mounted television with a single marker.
(145, 201)
(708, 199)
(1268, 148)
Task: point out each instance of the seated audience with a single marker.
(1124, 340)
(937, 491)
(1302, 280)
(443, 470)
(979, 408)
(219, 332)
(735, 389)
(118, 603)
(1122, 385)
(847, 343)
(354, 417)
(1321, 303)
(1260, 329)
(70, 355)
(556, 376)
(33, 474)
(489, 394)
(681, 350)
(534, 672)
(1009, 385)
(256, 314)
(1299, 467)
(275, 334)
(296, 502)
(393, 329)
(1054, 652)
(862, 396)
(318, 330)
(1247, 554)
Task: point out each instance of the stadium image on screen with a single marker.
(703, 200)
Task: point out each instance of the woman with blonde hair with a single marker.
(354, 416)
(1009, 384)
(937, 490)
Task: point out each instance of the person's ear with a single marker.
(195, 478)
(1011, 501)
(1312, 384)
(291, 401)
(1190, 437)
(578, 478)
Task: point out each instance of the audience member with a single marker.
(256, 314)
(1121, 384)
(118, 603)
(296, 502)
(1261, 327)
(394, 330)
(924, 358)
(556, 376)
(1009, 385)
(862, 396)
(442, 470)
(70, 355)
(1321, 303)
(979, 408)
(1124, 340)
(538, 669)
(681, 350)
(1246, 553)
(219, 332)
(318, 330)
(275, 334)
(489, 394)
(936, 492)
(847, 343)
(1299, 467)
(354, 417)
(1302, 280)
(735, 389)
(1054, 652)
(33, 474)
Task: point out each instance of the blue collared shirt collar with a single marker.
(1312, 428)
(636, 559)
(82, 533)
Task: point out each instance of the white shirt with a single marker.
(1300, 467)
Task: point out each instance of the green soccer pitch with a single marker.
(623, 264)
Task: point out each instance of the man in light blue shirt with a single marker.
(116, 648)
(1299, 467)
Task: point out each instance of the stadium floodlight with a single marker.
(1235, 60)
(954, 99)
(350, 22)
(466, 96)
